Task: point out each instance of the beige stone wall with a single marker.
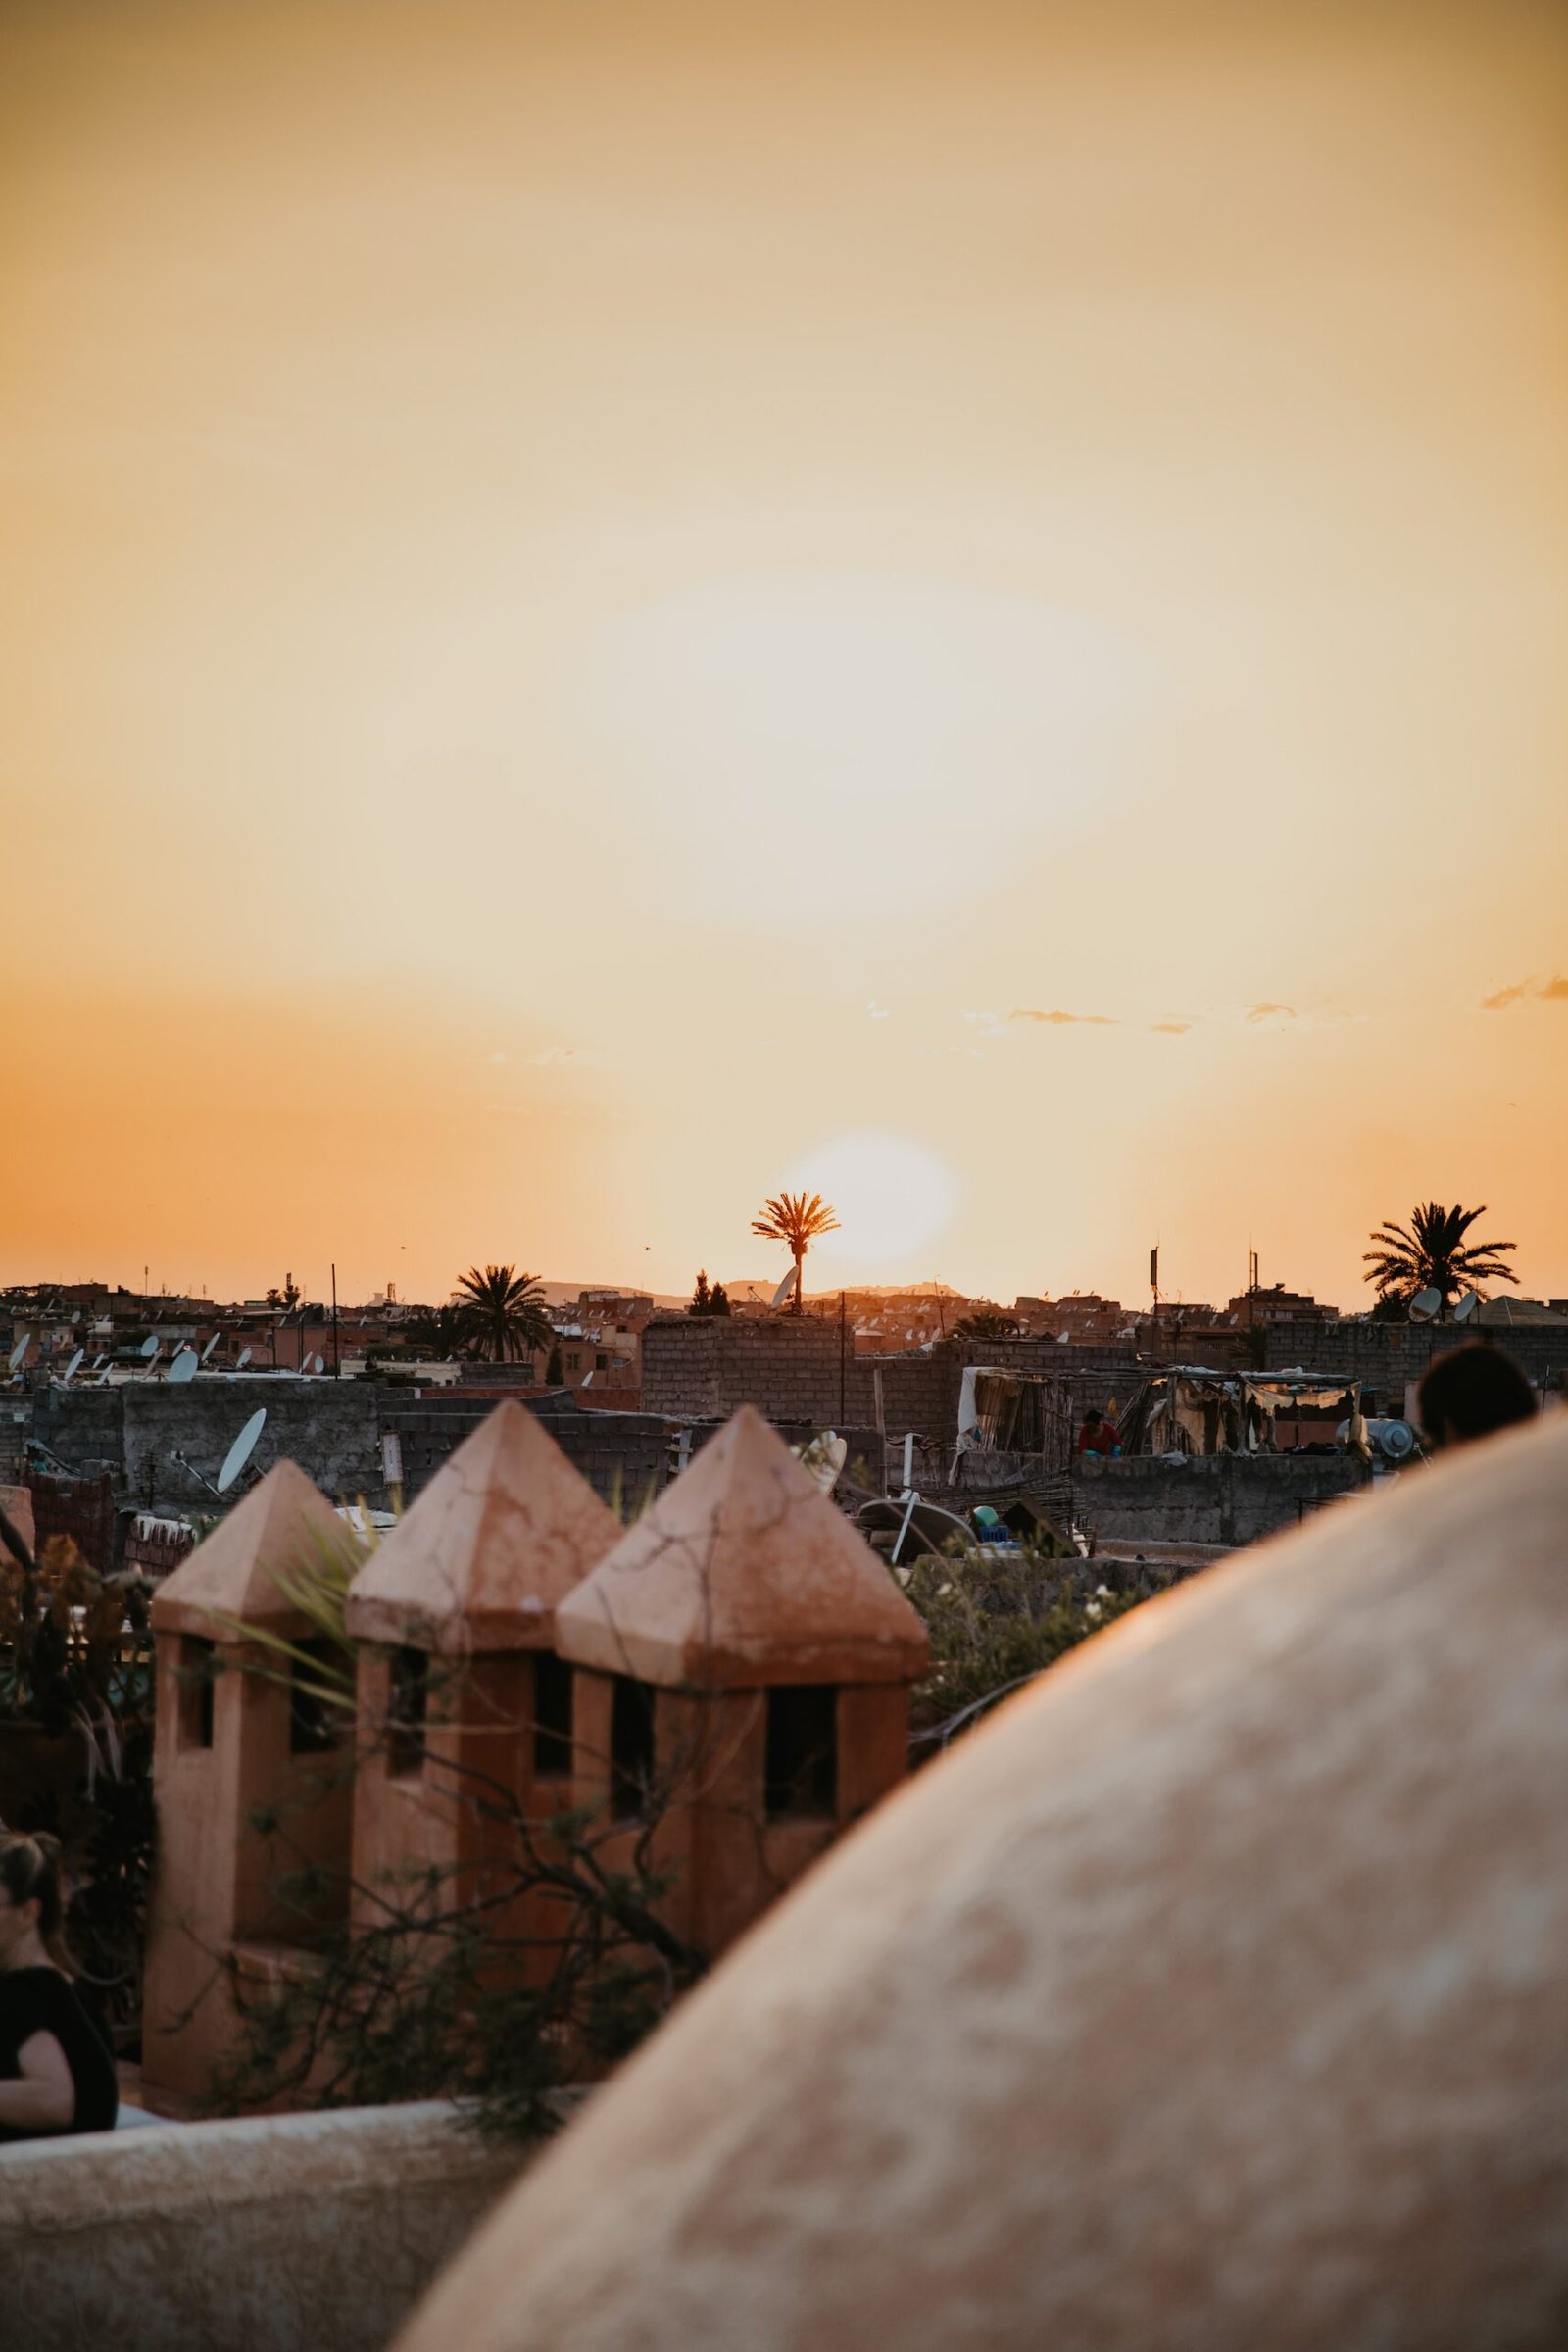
(269, 2233)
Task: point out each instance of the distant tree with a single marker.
(503, 1312)
(795, 1219)
(1431, 1254)
(554, 1375)
(708, 1302)
(436, 1333)
(987, 1322)
(288, 1297)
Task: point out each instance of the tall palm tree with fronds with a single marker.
(1431, 1254)
(503, 1312)
(795, 1219)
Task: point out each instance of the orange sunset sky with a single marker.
(609, 606)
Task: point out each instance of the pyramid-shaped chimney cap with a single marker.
(743, 1574)
(500, 1536)
(284, 1526)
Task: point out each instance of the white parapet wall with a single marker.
(268, 2234)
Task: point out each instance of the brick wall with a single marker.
(83, 1508)
(623, 1456)
(700, 1367)
(1220, 1498)
(1386, 1355)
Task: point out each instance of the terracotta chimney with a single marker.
(230, 1743)
(744, 1670)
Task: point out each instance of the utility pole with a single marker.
(842, 1327)
(336, 1370)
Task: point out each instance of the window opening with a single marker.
(408, 1712)
(552, 1715)
(198, 1663)
(631, 1746)
(802, 1771)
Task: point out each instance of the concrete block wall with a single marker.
(788, 1366)
(332, 1428)
(623, 1456)
(1386, 1355)
(1219, 1498)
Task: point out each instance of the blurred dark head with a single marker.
(1472, 1392)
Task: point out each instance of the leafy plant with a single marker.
(997, 1617)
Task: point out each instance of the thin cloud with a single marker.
(1271, 1012)
(1551, 992)
(560, 1057)
(1171, 1028)
(1064, 1020)
(879, 1012)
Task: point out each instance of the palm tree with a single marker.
(436, 1333)
(503, 1311)
(986, 1321)
(795, 1219)
(1431, 1254)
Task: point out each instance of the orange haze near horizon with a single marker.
(609, 608)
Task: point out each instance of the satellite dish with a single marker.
(74, 1365)
(1425, 1305)
(19, 1350)
(1467, 1306)
(786, 1289)
(150, 1346)
(184, 1367)
(1396, 1439)
(239, 1453)
(243, 1359)
(98, 1362)
(210, 1344)
(318, 1363)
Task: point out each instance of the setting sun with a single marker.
(893, 1197)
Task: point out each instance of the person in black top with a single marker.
(56, 2075)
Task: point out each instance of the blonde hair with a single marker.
(29, 1871)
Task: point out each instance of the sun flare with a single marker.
(892, 1197)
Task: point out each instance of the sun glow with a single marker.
(892, 1197)
(794, 742)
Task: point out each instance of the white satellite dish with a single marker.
(1425, 1305)
(210, 1344)
(239, 1453)
(19, 1350)
(318, 1363)
(1467, 1306)
(98, 1362)
(74, 1365)
(786, 1289)
(150, 1346)
(184, 1367)
(243, 1359)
